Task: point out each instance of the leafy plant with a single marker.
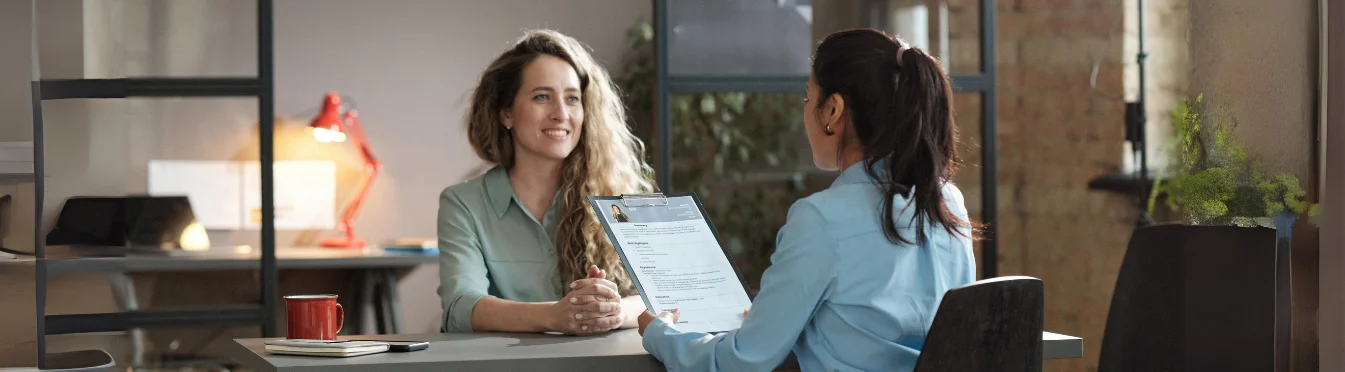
(1216, 183)
(743, 154)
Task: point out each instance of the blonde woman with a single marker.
(520, 249)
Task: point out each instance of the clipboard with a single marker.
(658, 200)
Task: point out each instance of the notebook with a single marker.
(412, 245)
(326, 348)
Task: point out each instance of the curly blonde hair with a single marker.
(608, 160)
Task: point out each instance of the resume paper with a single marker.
(674, 256)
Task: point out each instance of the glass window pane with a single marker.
(948, 29)
(739, 37)
(747, 157)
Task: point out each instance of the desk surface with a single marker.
(227, 259)
(616, 351)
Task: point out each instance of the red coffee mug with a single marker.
(313, 317)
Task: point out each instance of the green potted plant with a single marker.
(1232, 248)
(1216, 183)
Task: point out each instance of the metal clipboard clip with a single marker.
(626, 200)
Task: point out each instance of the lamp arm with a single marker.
(371, 168)
(357, 132)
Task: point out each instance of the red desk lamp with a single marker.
(335, 123)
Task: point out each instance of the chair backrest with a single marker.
(1195, 298)
(990, 325)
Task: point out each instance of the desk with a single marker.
(616, 351)
(378, 266)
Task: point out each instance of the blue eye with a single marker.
(572, 99)
(541, 97)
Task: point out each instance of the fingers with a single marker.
(589, 325)
(595, 312)
(600, 287)
(593, 309)
(602, 324)
(599, 315)
(584, 299)
(593, 281)
(671, 316)
(595, 272)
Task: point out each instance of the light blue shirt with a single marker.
(838, 292)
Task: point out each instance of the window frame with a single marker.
(982, 83)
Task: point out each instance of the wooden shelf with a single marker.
(9, 178)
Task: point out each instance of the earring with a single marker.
(827, 130)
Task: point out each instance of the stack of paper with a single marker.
(325, 348)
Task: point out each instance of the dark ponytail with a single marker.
(901, 114)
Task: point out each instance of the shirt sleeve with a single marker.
(462, 270)
(802, 273)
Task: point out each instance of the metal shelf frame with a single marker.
(983, 83)
(263, 87)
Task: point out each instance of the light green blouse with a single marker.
(491, 245)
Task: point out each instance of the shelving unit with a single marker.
(8, 178)
(261, 87)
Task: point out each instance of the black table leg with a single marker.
(394, 310)
(372, 284)
(353, 304)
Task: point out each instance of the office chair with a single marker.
(80, 361)
(990, 325)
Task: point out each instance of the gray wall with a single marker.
(1258, 59)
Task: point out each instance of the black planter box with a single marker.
(1201, 298)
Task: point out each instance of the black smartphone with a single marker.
(405, 346)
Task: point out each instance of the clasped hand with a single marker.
(593, 305)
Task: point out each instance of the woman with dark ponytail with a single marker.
(859, 268)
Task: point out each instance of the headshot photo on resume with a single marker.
(618, 215)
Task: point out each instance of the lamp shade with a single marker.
(327, 125)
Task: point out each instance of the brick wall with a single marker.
(1058, 126)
